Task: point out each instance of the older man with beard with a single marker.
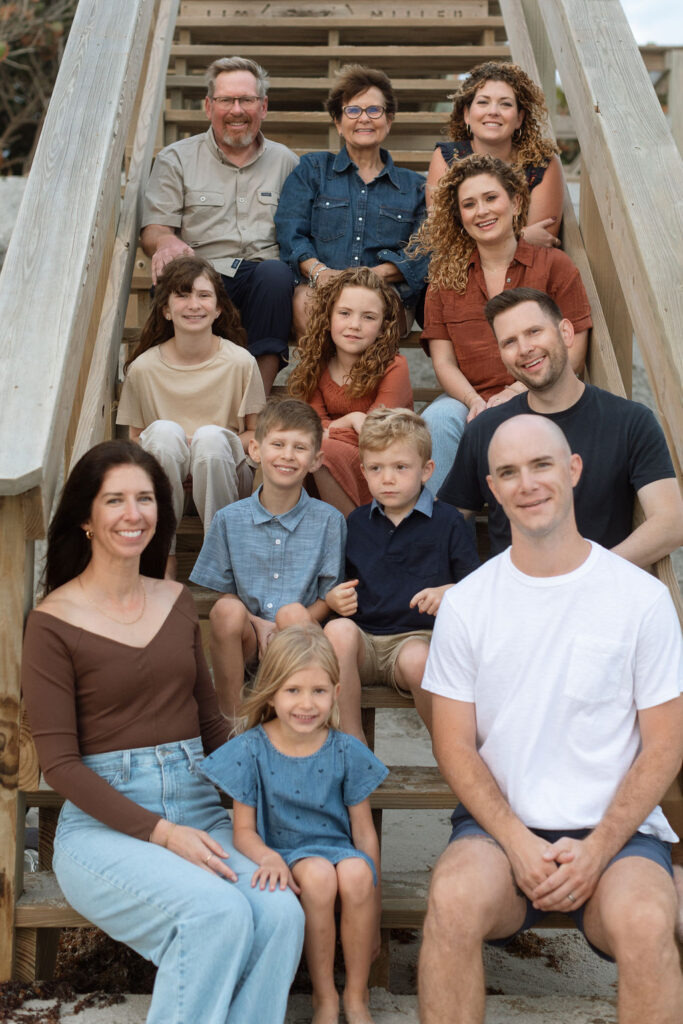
(215, 194)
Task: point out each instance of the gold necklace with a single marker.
(121, 622)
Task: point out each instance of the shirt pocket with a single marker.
(199, 198)
(394, 226)
(598, 671)
(330, 218)
(268, 198)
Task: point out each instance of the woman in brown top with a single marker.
(122, 709)
(473, 234)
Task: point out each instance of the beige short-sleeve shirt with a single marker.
(223, 211)
(221, 391)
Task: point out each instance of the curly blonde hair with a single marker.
(290, 651)
(442, 234)
(532, 148)
(316, 348)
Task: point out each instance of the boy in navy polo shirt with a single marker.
(403, 552)
(274, 555)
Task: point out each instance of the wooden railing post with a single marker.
(13, 565)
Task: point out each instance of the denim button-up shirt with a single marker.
(327, 211)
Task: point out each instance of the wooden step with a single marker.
(404, 903)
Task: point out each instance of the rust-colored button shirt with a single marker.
(460, 316)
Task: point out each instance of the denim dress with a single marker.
(301, 802)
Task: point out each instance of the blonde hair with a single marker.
(442, 234)
(383, 426)
(316, 348)
(290, 651)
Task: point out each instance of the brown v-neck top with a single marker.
(88, 694)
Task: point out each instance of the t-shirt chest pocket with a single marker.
(598, 671)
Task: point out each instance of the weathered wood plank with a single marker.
(95, 419)
(12, 606)
(629, 153)
(57, 241)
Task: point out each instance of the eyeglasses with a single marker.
(354, 112)
(246, 102)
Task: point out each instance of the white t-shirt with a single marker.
(558, 668)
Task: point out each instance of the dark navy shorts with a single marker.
(639, 845)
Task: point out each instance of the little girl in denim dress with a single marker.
(301, 812)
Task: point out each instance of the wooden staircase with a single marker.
(423, 50)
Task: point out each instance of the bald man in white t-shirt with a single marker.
(556, 675)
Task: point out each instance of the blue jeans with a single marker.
(445, 418)
(225, 952)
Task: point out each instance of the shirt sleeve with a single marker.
(461, 486)
(649, 458)
(451, 669)
(317, 402)
(566, 288)
(213, 567)
(363, 771)
(212, 726)
(332, 570)
(49, 690)
(254, 397)
(293, 215)
(164, 200)
(658, 674)
(233, 769)
(434, 321)
(413, 268)
(395, 390)
(462, 550)
(129, 412)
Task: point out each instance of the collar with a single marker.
(524, 254)
(290, 520)
(424, 504)
(342, 162)
(218, 153)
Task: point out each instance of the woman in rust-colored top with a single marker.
(122, 710)
(473, 233)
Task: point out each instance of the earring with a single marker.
(469, 129)
(167, 315)
(464, 233)
(89, 534)
(517, 135)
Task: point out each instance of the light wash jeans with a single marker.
(226, 953)
(445, 418)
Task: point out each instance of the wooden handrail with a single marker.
(50, 277)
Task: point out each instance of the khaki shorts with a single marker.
(381, 652)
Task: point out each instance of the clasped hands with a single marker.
(548, 873)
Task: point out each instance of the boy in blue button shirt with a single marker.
(274, 555)
(403, 552)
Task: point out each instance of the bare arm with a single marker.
(452, 379)
(134, 433)
(272, 871)
(318, 611)
(545, 208)
(654, 769)
(454, 741)
(249, 428)
(437, 169)
(662, 531)
(163, 245)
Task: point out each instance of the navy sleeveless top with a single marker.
(459, 150)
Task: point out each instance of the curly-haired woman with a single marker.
(474, 233)
(498, 110)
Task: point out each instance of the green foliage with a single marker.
(32, 38)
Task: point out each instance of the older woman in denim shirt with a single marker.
(353, 208)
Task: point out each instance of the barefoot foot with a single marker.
(326, 1011)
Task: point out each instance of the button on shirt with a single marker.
(223, 211)
(429, 548)
(328, 212)
(269, 561)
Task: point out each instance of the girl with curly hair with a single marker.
(348, 363)
(474, 233)
(192, 391)
(498, 110)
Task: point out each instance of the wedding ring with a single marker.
(571, 897)
(207, 859)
